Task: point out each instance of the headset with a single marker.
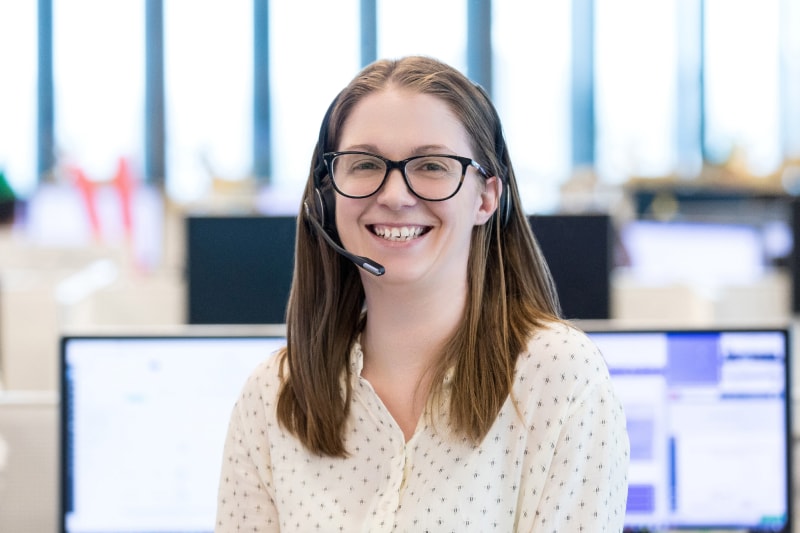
(324, 197)
(322, 215)
(323, 219)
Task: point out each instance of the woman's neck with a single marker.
(406, 330)
(402, 340)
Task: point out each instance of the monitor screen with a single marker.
(698, 254)
(709, 426)
(143, 424)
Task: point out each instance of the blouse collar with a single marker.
(357, 364)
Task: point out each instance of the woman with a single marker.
(444, 394)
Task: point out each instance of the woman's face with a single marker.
(434, 240)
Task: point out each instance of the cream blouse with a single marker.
(561, 467)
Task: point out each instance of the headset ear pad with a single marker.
(324, 195)
(325, 207)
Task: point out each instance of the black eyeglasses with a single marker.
(434, 177)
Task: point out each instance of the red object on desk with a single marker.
(86, 188)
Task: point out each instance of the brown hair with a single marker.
(510, 290)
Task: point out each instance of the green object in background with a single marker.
(6, 193)
(7, 201)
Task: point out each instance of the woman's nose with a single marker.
(395, 192)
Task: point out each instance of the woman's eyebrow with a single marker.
(423, 149)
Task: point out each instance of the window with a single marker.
(98, 75)
(208, 73)
(636, 89)
(531, 58)
(423, 27)
(790, 48)
(647, 84)
(18, 105)
(311, 60)
(742, 72)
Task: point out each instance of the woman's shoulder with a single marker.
(562, 347)
(559, 333)
(265, 378)
(560, 365)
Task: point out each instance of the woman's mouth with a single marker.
(398, 233)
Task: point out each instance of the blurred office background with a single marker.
(679, 121)
(673, 125)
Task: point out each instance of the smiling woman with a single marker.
(423, 131)
(451, 377)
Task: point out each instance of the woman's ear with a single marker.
(489, 200)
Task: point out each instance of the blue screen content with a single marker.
(708, 421)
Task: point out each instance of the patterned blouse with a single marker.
(559, 467)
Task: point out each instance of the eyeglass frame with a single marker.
(466, 163)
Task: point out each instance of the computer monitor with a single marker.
(239, 268)
(700, 254)
(795, 254)
(579, 251)
(143, 425)
(708, 414)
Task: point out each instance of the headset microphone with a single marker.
(364, 262)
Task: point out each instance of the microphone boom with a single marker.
(374, 268)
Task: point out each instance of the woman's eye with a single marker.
(366, 165)
(432, 166)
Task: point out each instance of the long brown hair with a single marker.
(510, 290)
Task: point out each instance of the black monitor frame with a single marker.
(239, 268)
(579, 249)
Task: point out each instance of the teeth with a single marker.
(404, 233)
